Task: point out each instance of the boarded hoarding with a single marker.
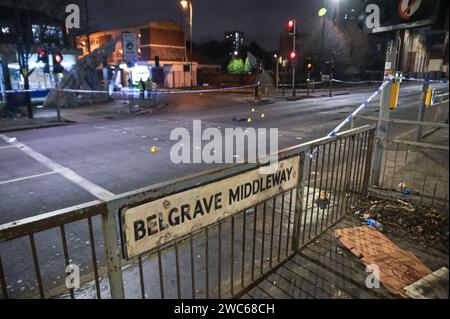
(152, 224)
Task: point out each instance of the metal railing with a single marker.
(415, 158)
(221, 260)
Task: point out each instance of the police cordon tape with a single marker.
(423, 80)
(135, 91)
(354, 82)
(355, 112)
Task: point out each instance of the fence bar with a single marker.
(192, 266)
(3, 281)
(94, 257)
(206, 263)
(331, 184)
(141, 277)
(243, 247)
(254, 243)
(272, 230)
(112, 253)
(263, 237)
(219, 268)
(161, 277)
(66, 254)
(281, 226)
(298, 207)
(36, 266)
(232, 256)
(289, 221)
(177, 269)
(307, 197)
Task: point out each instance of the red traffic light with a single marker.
(293, 55)
(291, 27)
(58, 58)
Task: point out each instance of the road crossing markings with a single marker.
(25, 178)
(82, 182)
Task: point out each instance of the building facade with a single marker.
(163, 40)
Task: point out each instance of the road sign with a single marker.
(147, 226)
(389, 15)
(325, 77)
(129, 47)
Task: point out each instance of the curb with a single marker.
(33, 127)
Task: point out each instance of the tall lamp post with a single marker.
(187, 5)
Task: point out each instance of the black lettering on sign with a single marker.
(139, 230)
(151, 225)
(185, 208)
(218, 201)
(173, 221)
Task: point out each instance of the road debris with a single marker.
(424, 226)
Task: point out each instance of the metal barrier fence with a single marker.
(415, 158)
(223, 259)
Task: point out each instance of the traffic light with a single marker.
(57, 59)
(309, 67)
(293, 55)
(292, 27)
(43, 57)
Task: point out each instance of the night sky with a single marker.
(260, 20)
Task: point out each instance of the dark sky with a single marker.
(261, 20)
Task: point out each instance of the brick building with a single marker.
(163, 39)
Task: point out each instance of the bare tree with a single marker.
(33, 24)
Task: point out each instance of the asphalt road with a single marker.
(64, 166)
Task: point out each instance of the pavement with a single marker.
(108, 151)
(47, 117)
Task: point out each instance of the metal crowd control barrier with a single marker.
(221, 259)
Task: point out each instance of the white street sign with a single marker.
(147, 226)
(129, 47)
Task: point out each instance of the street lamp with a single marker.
(187, 5)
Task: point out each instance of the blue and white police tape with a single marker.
(355, 82)
(23, 90)
(359, 109)
(407, 78)
(230, 88)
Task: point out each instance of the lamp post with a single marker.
(187, 5)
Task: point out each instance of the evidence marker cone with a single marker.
(154, 149)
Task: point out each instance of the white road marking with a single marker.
(85, 184)
(7, 146)
(25, 178)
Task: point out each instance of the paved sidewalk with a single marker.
(47, 117)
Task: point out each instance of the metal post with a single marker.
(190, 35)
(390, 66)
(112, 253)
(298, 211)
(307, 83)
(293, 66)
(276, 80)
(58, 103)
(421, 113)
(331, 84)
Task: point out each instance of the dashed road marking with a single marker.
(25, 178)
(82, 182)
